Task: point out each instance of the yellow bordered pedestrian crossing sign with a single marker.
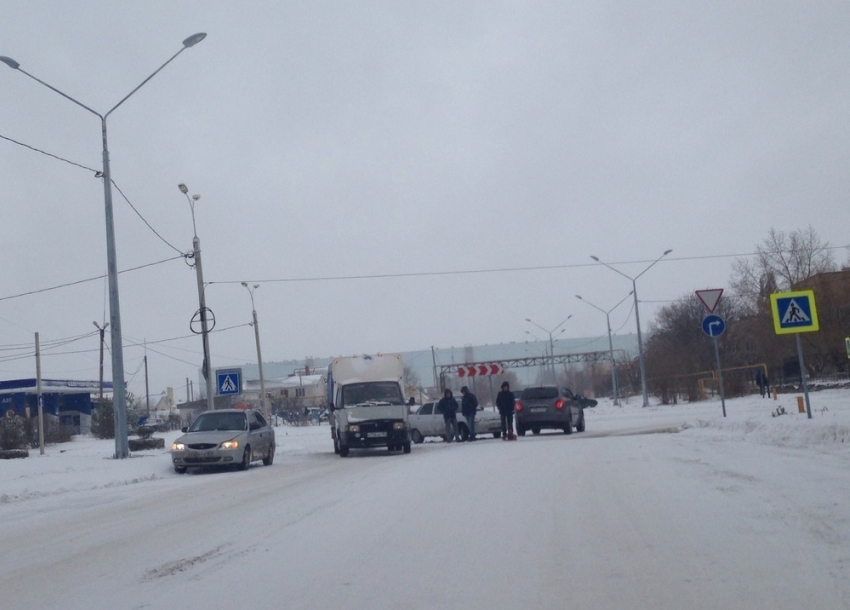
(794, 312)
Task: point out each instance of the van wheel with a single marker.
(417, 437)
(520, 431)
(568, 429)
(497, 435)
(343, 451)
(336, 446)
(180, 469)
(406, 447)
(535, 431)
(580, 424)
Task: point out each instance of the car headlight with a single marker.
(230, 445)
(354, 428)
(399, 425)
(177, 446)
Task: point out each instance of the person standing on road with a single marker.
(468, 407)
(448, 405)
(505, 404)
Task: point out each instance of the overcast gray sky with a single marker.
(333, 139)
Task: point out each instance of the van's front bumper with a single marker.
(378, 434)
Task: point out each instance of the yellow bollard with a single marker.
(800, 406)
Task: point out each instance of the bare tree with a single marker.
(410, 378)
(782, 260)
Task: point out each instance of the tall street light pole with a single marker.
(203, 312)
(545, 352)
(265, 400)
(637, 318)
(122, 449)
(610, 344)
(551, 341)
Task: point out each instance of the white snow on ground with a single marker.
(663, 507)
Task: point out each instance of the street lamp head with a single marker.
(579, 297)
(10, 62)
(245, 284)
(194, 39)
(594, 258)
(256, 285)
(195, 197)
(667, 252)
(528, 320)
(182, 188)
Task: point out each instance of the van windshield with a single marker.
(372, 393)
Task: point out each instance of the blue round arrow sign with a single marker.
(713, 325)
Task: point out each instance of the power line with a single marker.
(335, 278)
(128, 344)
(165, 241)
(90, 279)
(38, 150)
(97, 174)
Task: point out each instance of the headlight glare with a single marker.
(354, 428)
(177, 446)
(230, 445)
(399, 425)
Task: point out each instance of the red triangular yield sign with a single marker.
(710, 298)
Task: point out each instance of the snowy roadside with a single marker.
(86, 464)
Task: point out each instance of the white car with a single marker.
(226, 437)
(427, 420)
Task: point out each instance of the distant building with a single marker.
(67, 400)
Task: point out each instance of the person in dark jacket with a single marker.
(468, 407)
(505, 404)
(448, 406)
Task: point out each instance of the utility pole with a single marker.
(102, 330)
(264, 400)
(147, 388)
(39, 397)
(203, 313)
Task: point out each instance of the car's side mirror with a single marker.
(184, 429)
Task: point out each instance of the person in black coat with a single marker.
(448, 406)
(468, 407)
(505, 404)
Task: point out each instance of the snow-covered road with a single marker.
(650, 508)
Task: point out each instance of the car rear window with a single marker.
(539, 393)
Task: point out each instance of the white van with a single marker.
(366, 403)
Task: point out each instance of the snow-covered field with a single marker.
(663, 507)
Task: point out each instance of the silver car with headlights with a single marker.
(226, 437)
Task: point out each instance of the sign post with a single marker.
(713, 326)
(795, 313)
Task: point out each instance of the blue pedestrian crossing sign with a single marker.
(794, 312)
(228, 382)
